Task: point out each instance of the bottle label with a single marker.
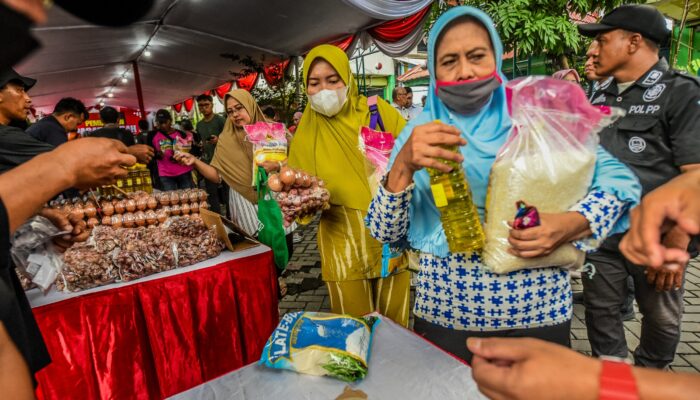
(439, 195)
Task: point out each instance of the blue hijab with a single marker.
(485, 133)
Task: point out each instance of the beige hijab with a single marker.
(233, 157)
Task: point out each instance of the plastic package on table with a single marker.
(402, 366)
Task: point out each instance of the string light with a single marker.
(124, 80)
(147, 53)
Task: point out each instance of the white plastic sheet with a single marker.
(402, 366)
(389, 9)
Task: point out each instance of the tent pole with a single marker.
(284, 94)
(297, 82)
(139, 92)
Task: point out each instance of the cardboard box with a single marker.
(220, 224)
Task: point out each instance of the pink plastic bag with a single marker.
(376, 147)
(547, 162)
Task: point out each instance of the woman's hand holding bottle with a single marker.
(425, 148)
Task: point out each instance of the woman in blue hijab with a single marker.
(456, 296)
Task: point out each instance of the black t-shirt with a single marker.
(16, 147)
(15, 311)
(116, 133)
(48, 130)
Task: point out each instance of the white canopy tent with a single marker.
(177, 46)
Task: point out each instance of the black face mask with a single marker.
(467, 97)
(19, 42)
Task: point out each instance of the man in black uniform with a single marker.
(658, 139)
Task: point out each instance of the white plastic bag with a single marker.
(547, 162)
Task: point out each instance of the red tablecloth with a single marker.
(161, 336)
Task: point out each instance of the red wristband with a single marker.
(617, 382)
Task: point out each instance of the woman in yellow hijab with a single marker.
(326, 145)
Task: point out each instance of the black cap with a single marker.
(163, 115)
(8, 75)
(645, 20)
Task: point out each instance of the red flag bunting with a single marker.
(397, 29)
(223, 89)
(248, 82)
(188, 104)
(344, 43)
(274, 73)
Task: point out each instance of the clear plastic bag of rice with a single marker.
(321, 344)
(547, 162)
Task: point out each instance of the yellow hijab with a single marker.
(328, 146)
(233, 157)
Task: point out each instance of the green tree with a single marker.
(541, 27)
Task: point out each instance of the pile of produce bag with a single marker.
(300, 195)
(124, 254)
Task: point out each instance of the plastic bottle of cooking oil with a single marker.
(458, 213)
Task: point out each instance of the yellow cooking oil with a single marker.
(458, 213)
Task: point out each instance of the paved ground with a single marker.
(305, 264)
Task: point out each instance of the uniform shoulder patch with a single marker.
(606, 83)
(654, 92)
(652, 77)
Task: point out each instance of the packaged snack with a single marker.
(174, 197)
(547, 162)
(108, 208)
(129, 220)
(151, 217)
(269, 141)
(90, 210)
(526, 216)
(152, 203)
(320, 344)
(32, 253)
(202, 195)
(130, 205)
(141, 203)
(140, 218)
(164, 198)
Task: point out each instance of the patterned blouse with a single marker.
(459, 292)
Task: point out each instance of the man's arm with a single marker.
(535, 369)
(26, 188)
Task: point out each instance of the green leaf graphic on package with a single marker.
(321, 344)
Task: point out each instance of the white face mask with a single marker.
(329, 102)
